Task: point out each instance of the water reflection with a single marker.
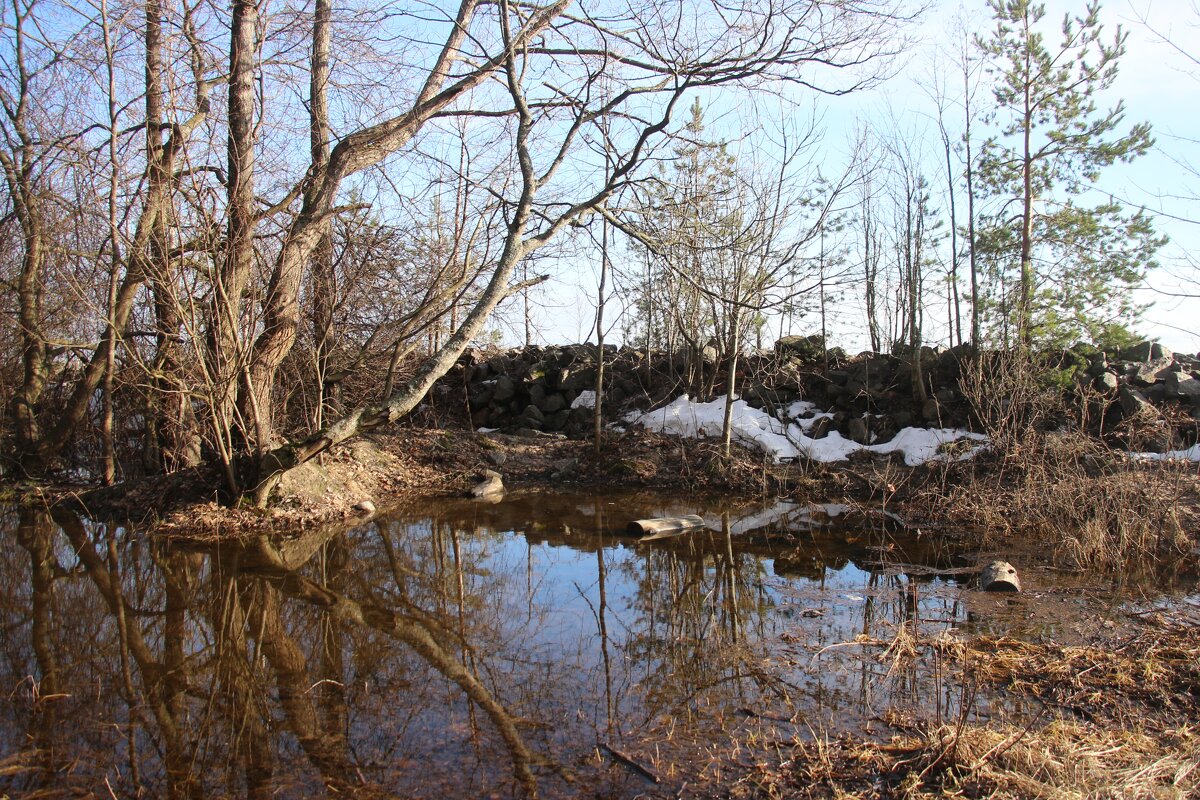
(453, 649)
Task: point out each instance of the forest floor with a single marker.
(1116, 506)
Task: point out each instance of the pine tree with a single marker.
(688, 218)
(1072, 264)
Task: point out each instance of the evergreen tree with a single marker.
(1069, 265)
(687, 221)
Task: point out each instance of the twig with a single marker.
(621, 758)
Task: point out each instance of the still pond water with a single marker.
(391, 658)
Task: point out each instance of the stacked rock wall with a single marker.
(870, 395)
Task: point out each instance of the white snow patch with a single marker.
(924, 444)
(788, 440)
(586, 399)
(801, 407)
(1191, 454)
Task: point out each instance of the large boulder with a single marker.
(857, 431)
(1153, 371)
(553, 403)
(1182, 386)
(1133, 402)
(804, 348)
(504, 389)
(1106, 382)
(1145, 351)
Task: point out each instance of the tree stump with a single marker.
(999, 576)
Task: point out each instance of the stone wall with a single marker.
(870, 394)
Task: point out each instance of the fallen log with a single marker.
(663, 527)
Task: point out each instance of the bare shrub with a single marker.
(1095, 506)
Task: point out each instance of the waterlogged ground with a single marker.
(435, 651)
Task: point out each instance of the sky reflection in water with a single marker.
(345, 659)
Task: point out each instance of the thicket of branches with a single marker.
(241, 234)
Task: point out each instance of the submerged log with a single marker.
(665, 526)
(999, 576)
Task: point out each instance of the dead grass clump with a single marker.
(1093, 508)
(1048, 477)
(1153, 674)
(1062, 760)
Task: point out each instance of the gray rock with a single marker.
(932, 410)
(480, 398)
(1155, 370)
(1145, 351)
(497, 457)
(857, 431)
(558, 420)
(1133, 402)
(553, 403)
(1182, 385)
(804, 348)
(492, 485)
(759, 396)
(504, 389)
(533, 416)
(537, 394)
(1106, 382)
(364, 507)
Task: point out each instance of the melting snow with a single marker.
(786, 440)
(586, 399)
(1191, 454)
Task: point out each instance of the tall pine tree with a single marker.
(1070, 264)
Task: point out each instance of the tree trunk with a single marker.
(1025, 302)
(598, 408)
(731, 380)
(234, 272)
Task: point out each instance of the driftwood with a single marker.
(999, 576)
(621, 758)
(664, 526)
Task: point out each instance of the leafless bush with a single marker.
(1095, 506)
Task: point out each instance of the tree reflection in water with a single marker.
(452, 650)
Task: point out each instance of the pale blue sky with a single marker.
(1158, 84)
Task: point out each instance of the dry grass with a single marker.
(1154, 676)
(1049, 478)
(1061, 760)
(1117, 721)
(1095, 509)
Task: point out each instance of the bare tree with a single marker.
(781, 43)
